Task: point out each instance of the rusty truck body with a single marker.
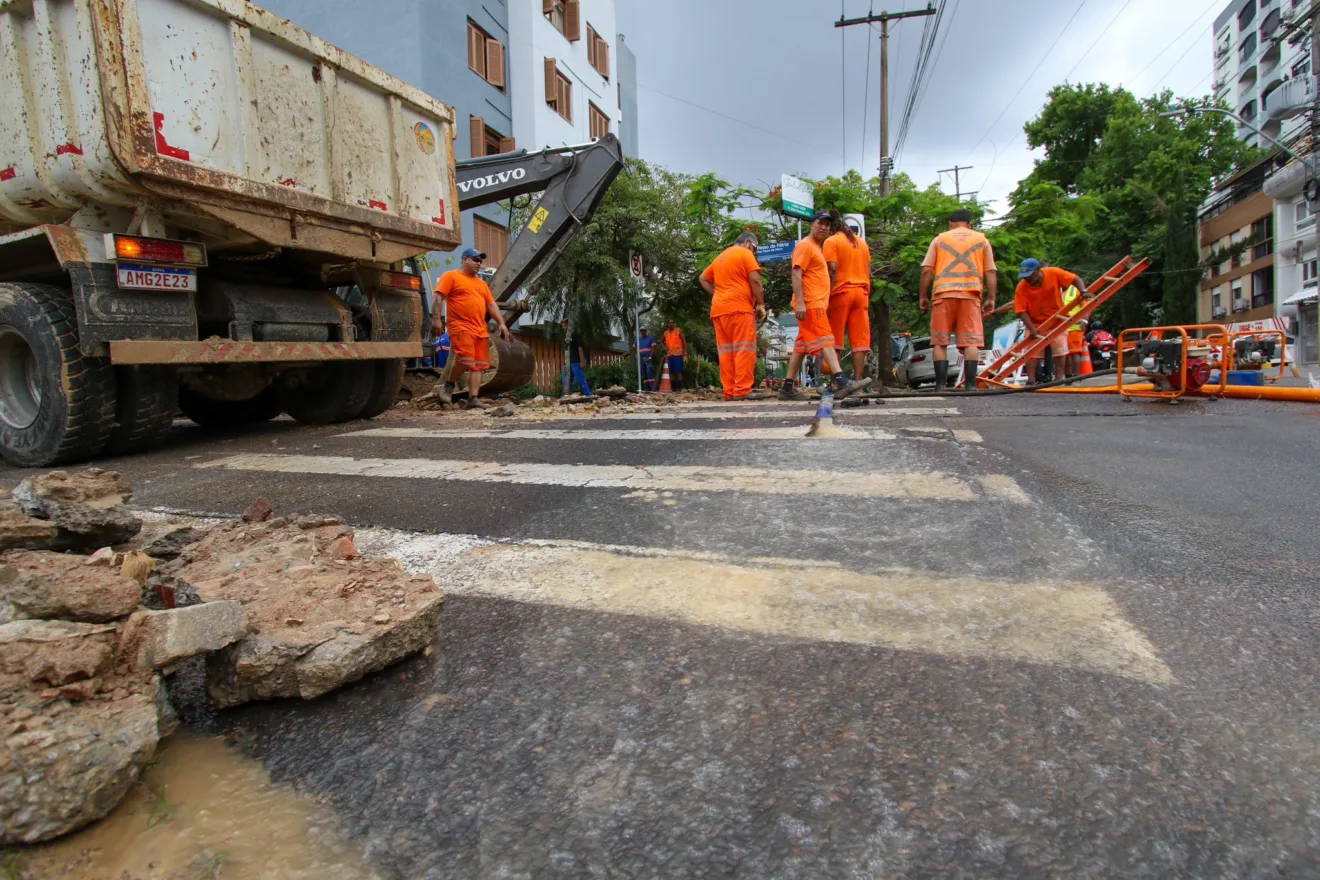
(203, 206)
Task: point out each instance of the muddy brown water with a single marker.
(202, 811)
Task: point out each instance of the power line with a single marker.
(843, 92)
(1053, 43)
(1097, 40)
(1213, 5)
(728, 117)
(921, 96)
(866, 96)
(1159, 82)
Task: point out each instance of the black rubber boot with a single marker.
(941, 375)
(969, 375)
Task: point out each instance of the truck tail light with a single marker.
(402, 281)
(135, 248)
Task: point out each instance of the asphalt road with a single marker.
(1029, 636)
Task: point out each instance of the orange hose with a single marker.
(1241, 392)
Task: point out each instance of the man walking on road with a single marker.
(1039, 296)
(737, 308)
(959, 267)
(577, 356)
(470, 304)
(645, 352)
(811, 299)
(675, 348)
(849, 260)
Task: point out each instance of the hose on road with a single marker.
(995, 392)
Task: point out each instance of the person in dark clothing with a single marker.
(577, 357)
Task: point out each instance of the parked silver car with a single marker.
(914, 362)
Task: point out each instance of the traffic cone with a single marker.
(665, 386)
(1087, 369)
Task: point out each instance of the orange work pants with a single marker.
(735, 335)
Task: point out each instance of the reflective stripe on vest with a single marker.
(958, 269)
(1068, 296)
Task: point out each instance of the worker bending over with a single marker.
(849, 260)
(959, 274)
(1039, 297)
(811, 299)
(737, 307)
(470, 303)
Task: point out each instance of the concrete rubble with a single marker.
(278, 606)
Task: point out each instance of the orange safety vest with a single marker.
(674, 342)
(959, 262)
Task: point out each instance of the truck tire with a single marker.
(56, 404)
(334, 392)
(208, 412)
(148, 400)
(384, 388)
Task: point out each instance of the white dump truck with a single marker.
(203, 208)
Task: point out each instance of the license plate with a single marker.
(157, 278)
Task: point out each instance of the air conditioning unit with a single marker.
(1241, 305)
(1220, 311)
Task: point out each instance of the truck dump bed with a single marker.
(226, 114)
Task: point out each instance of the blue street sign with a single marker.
(775, 252)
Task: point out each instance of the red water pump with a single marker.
(1162, 364)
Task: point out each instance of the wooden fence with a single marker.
(549, 354)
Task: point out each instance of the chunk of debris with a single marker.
(87, 507)
(170, 544)
(504, 411)
(46, 585)
(258, 511)
(158, 639)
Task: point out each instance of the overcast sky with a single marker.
(752, 89)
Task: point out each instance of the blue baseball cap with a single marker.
(473, 253)
(1028, 267)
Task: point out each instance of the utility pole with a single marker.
(1315, 146)
(884, 362)
(886, 165)
(957, 186)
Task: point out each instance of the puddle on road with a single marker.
(204, 812)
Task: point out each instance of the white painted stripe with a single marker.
(800, 408)
(1002, 487)
(966, 435)
(1064, 623)
(793, 433)
(761, 481)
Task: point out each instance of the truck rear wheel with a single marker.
(384, 389)
(333, 392)
(56, 404)
(210, 412)
(148, 400)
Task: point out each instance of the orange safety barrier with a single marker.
(1097, 293)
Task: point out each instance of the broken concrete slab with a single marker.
(171, 544)
(53, 653)
(311, 615)
(47, 585)
(158, 639)
(86, 507)
(258, 511)
(20, 531)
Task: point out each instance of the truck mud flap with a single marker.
(106, 313)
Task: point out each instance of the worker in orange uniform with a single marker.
(470, 303)
(848, 258)
(675, 349)
(737, 307)
(959, 274)
(1076, 332)
(811, 299)
(1039, 296)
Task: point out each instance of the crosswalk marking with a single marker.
(928, 485)
(793, 433)
(785, 413)
(1063, 623)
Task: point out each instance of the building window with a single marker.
(1247, 48)
(1262, 288)
(1304, 215)
(1310, 270)
(1302, 68)
(566, 16)
(1236, 261)
(598, 53)
(558, 90)
(600, 123)
(492, 240)
(486, 141)
(1262, 233)
(1216, 303)
(486, 56)
(1246, 16)
(1238, 305)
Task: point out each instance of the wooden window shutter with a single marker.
(547, 6)
(551, 74)
(495, 63)
(478, 130)
(476, 50)
(603, 59)
(507, 145)
(573, 20)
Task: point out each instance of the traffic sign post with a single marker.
(799, 201)
(635, 270)
(775, 252)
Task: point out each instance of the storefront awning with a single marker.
(1296, 298)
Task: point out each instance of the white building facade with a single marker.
(563, 68)
(1255, 53)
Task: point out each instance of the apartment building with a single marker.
(1255, 53)
(564, 70)
(1237, 240)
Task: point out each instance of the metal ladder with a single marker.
(1100, 290)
